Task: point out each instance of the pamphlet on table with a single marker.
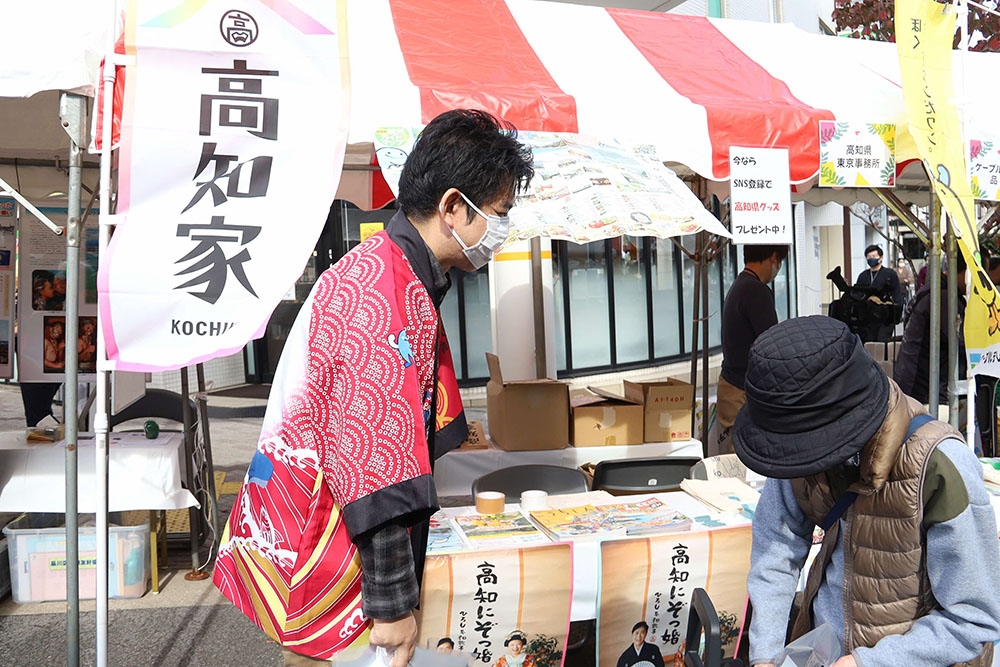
(508, 529)
(601, 521)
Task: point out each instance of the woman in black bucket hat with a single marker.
(905, 571)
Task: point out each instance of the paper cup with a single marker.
(490, 502)
(534, 500)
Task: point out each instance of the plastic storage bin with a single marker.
(4, 569)
(37, 550)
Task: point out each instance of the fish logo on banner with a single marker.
(223, 108)
(925, 30)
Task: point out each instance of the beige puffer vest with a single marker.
(886, 587)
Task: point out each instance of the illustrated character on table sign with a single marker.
(401, 343)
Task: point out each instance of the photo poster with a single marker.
(42, 307)
(760, 196)
(477, 599)
(8, 245)
(653, 580)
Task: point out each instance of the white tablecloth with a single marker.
(142, 474)
(455, 471)
(587, 552)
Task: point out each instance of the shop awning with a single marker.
(692, 86)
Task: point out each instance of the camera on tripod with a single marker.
(863, 307)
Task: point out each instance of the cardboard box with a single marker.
(884, 354)
(667, 406)
(476, 438)
(528, 414)
(601, 418)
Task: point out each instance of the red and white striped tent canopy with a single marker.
(692, 86)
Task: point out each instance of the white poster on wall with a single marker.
(42, 306)
(760, 196)
(8, 241)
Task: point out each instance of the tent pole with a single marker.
(207, 438)
(704, 344)
(934, 278)
(102, 415)
(71, 115)
(952, 250)
(191, 472)
(695, 310)
(848, 273)
(538, 303)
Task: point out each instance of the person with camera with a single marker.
(878, 277)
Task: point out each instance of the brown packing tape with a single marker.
(490, 502)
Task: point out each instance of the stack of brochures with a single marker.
(509, 529)
(442, 537)
(647, 517)
(725, 494)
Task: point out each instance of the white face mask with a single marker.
(497, 229)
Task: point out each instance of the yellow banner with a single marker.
(925, 30)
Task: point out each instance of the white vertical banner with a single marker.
(234, 129)
(760, 195)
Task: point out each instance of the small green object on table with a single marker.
(151, 429)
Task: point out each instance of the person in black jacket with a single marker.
(912, 369)
(640, 653)
(878, 277)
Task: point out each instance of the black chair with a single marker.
(514, 480)
(642, 475)
(703, 617)
(164, 404)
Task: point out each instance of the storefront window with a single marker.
(631, 309)
(478, 340)
(588, 299)
(667, 330)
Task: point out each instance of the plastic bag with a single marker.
(818, 648)
(379, 657)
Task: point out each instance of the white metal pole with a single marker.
(101, 419)
(71, 116)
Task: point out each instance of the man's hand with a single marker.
(398, 636)
(847, 661)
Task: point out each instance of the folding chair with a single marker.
(703, 617)
(514, 480)
(629, 476)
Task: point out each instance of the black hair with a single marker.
(874, 248)
(446, 640)
(994, 263)
(640, 624)
(758, 253)
(466, 149)
(517, 635)
(961, 262)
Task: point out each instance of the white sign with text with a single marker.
(760, 195)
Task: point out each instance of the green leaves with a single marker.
(828, 175)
